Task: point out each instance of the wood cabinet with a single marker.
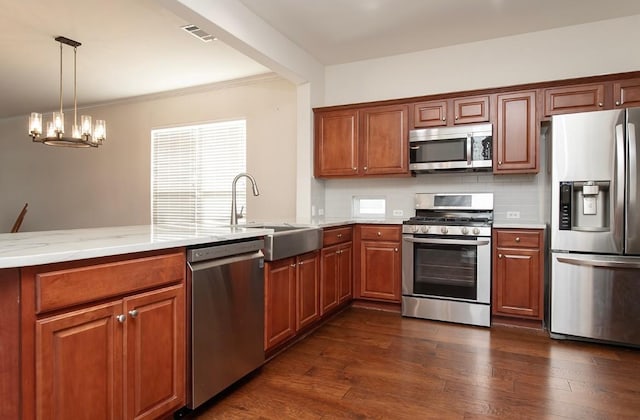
(518, 274)
(104, 351)
(516, 134)
(379, 262)
(577, 98)
(336, 273)
(362, 142)
(626, 93)
(291, 297)
(439, 113)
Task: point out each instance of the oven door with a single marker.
(451, 267)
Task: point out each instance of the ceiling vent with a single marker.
(201, 34)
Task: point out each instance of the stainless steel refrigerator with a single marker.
(595, 227)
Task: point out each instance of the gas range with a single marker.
(451, 214)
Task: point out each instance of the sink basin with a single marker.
(287, 241)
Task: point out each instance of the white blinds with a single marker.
(192, 169)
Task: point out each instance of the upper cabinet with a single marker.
(580, 98)
(516, 136)
(362, 142)
(440, 113)
(626, 93)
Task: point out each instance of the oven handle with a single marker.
(447, 241)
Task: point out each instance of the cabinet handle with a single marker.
(600, 104)
(339, 235)
(517, 239)
(355, 169)
(499, 162)
(456, 117)
(121, 318)
(444, 119)
(499, 255)
(293, 266)
(133, 313)
(395, 249)
(301, 262)
(379, 233)
(365, 168)
(617, 103)
(339, 252)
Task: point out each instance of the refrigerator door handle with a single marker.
(632, 186)
(620, 181)
(604, 263)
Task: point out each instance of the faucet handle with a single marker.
(239, 214)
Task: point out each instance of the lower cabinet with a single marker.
(379, 262)
(291, 297)
(518, 274)
(118, 358)
(336, 268)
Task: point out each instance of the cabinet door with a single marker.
(308, 277)
(626, 93)
(79, 364)
(380, 270)
(155, 353)
(345, 272)
(385, 141)
(517, 282)
(471, 110)
(430, 114)
(280, 301)
(516, 144)
(329, 278)
(336, 143)
(582, 98)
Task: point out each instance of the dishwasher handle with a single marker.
(222, 250)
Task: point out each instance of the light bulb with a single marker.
(35, 124)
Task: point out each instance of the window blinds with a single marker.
(192, 168)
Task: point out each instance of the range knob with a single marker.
(476, 231)
(465, 230)
(425, 229)
(444, 230)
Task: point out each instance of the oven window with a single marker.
(445, 270)
(441, 151)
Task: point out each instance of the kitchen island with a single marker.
(79, 308)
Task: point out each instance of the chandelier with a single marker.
(83, 135)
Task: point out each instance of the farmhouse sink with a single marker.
(287, 240)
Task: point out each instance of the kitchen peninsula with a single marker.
(79, 307)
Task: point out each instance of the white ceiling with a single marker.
(135, 47)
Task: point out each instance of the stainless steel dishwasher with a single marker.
(227, 316)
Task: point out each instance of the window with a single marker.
(371, 207)
(192, 168)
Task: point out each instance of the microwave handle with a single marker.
(469, 149)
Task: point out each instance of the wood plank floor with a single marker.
(373, 364)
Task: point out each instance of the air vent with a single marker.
(202, 35)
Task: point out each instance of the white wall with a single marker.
(110, 186)
(583, 50)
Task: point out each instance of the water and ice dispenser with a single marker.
(584, 205)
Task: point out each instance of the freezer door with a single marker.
(589, 148)
(632, 211)
(595, 297)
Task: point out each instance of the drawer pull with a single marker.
(517, 239)
(395, 249)
(133, 313)
(339, 235)
(499, 255)
(379, 233)
(121, 318)
(293, 266)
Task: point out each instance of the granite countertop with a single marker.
(33, 248)
(518, 225)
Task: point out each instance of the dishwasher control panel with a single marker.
(212, 252)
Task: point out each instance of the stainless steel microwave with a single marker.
(464, 147)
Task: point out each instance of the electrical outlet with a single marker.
(320, 212)
(398, 213)
(513, 215)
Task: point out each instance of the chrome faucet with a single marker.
(234, 214)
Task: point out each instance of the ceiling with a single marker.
(136, 47)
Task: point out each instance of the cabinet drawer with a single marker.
(83, 284)
(336, 236)
(380, 232)
(519, 238)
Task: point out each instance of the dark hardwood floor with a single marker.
(373, 364)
